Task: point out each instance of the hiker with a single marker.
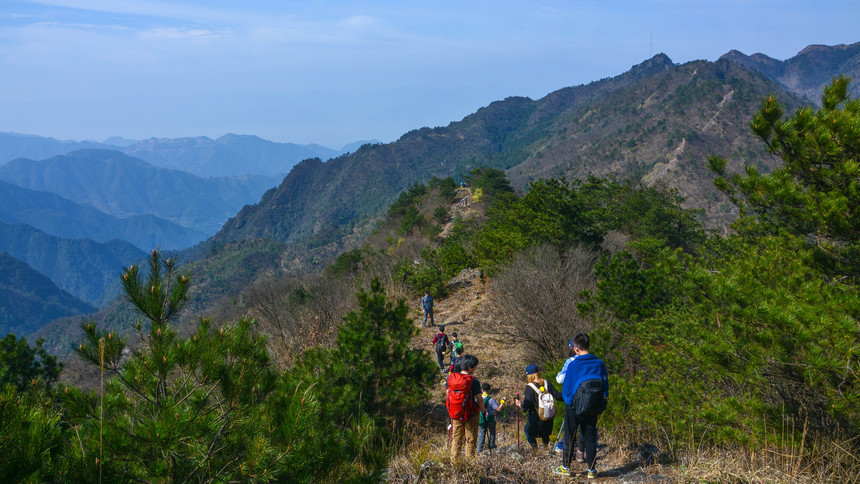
(464, 404)
(539, 404)
(487, 422)
(427, 306)
(585, 391)
(559, 378)
(456, 356)
(441, 342)
(456, 344)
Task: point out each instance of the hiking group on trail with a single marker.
(584, 391)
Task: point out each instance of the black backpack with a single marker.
(590, 398)
(440, 344)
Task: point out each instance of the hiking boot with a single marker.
(579, 455)
(592, 474)
(561, 471)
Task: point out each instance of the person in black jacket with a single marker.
(535, 426)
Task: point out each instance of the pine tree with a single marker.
(816, 192)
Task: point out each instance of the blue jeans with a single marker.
(426, 313)
(490, 432)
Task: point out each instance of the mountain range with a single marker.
(655, 124)
(123, 186)
(62, 217)
(228, 155)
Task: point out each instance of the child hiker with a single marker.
(487, 422)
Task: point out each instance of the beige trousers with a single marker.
(467, 431)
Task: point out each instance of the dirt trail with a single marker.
(468, 311)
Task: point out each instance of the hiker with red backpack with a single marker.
(539, 404)
(585, 391)
(464, 404)
(441, 342)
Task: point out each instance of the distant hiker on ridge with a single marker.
(440, 341)
(427, 306)
(539, 403)
(585, 390)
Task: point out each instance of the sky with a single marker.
(332, 73)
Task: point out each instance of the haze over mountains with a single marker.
(228, 155)
(656, 123)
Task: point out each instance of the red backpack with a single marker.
(461, 405)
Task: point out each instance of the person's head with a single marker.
(580, 342)
(468, 363)
(533, 374)
(458, 352)
(442, 328)
(454, 335)
(486, 387)
(426, 293)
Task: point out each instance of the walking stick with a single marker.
(518, 423)
(450, 429)
(557, 438)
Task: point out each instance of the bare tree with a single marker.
(535, 297)
(298, 314)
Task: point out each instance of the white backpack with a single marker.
(546, 403)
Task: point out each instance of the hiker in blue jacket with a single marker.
(585, 367)
(427, 306)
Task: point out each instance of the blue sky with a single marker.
(336, 72)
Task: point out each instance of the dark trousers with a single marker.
(439, 358)
(536, 428)
(587, 428)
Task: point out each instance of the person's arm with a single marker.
(560, 377)
(529, 399)
(552, 390)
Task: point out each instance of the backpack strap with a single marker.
(535, 388)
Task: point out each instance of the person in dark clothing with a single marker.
(535, 426)
(584, 367)
(441, 342)
(456, 356)
(427, 306)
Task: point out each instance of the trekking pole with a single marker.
(450, 429)
(557, 438)
(518, 423)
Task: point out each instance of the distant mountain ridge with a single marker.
(85, 269)
(29, 300)
(59, 216)
(122, 186)
(658, 120)
(228, 155)
(807, 72)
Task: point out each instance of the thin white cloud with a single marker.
(182, 34)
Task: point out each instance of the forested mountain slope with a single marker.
(83, 268)
(59, 216)
(29, 300)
